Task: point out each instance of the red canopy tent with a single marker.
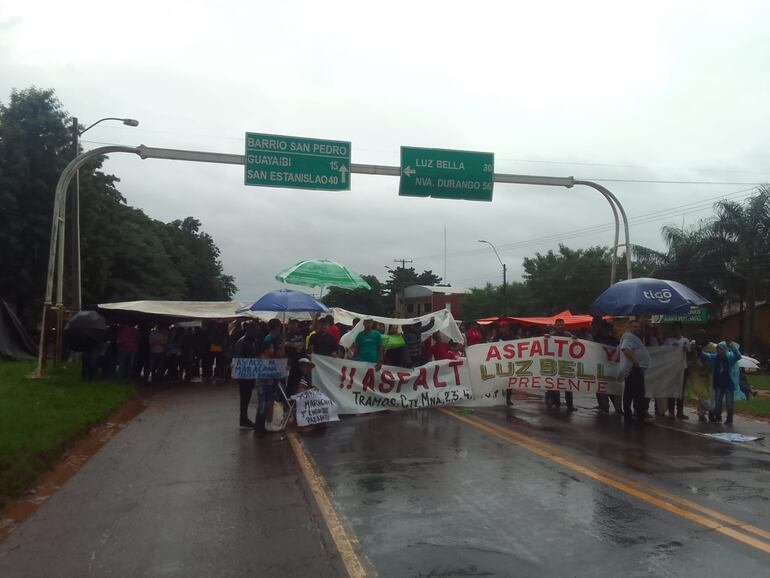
(570, 321)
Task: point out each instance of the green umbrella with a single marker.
(322, 273)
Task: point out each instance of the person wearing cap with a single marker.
(306, 374)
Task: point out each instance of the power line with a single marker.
(644, 218)
(661, 182)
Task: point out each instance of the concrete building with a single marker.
(422, 299)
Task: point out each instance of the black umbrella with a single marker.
(86, 330)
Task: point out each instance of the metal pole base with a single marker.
(50, 346)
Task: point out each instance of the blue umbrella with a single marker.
(646, 296)
(286, 300)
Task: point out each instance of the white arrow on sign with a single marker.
(409, 171)
(343, 171)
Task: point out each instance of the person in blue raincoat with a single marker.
(740, 395)
(723, 382)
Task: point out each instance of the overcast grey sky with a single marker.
(674, 91)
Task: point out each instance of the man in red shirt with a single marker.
(473, 336)
(440, 350)
(333, 330)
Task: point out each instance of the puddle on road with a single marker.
(68, 465)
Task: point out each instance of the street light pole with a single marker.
(505, 271)
(77, 299)
(77, 287)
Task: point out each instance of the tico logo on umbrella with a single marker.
(664, 295)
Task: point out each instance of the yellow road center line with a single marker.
(640, 485)
(516, 439)
(692, 505)
(346, 544)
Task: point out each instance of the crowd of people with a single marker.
(203, 350)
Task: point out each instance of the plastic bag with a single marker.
(279, 419)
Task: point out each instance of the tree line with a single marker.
(126, 255)
(381, 298)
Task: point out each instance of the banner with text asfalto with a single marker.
(536, 365)
(357, 387)
(256, 368)
(567, 364)
(545, 364)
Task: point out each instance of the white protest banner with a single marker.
(357, 387)
(544, 363)
(566, 364)
(255, 368)
(441, 321)
(536, 364)
(314, 407)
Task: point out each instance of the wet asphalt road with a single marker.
(181, 491)
(429, 495)
(496, 492)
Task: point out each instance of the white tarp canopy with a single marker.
(196, 309)
(441, 321)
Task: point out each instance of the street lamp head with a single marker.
(130, 122)
(483, 241)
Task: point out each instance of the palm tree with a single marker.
(725, 258)
(739, 237)
(686, 260)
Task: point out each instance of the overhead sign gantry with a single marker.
(306, 163)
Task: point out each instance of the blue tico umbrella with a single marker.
(286, 301)
(646, 296)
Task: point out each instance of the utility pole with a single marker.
(400, 294)
(505, 272)
(505, 285)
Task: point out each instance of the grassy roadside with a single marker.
(40, 418)
(758, 407)
(759, 380)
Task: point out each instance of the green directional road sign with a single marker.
(447, 174)
(297, 163)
